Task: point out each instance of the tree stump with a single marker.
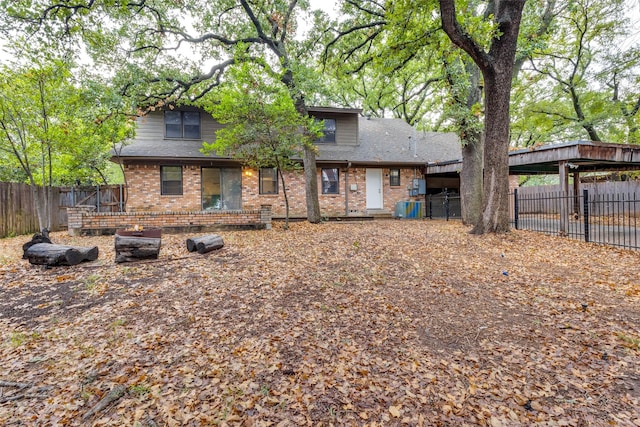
(131, 248)
(53, 255)
(205, 244)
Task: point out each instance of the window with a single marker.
(268, 181)
(171, 178)
(330, 181)
(329, 131)
(394, 177)
(182, 124)
(221, 188)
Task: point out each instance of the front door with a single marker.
(221, 188)
(374, 188)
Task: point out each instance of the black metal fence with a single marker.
(610, 219)
(444, 205)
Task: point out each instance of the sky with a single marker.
(329, 6)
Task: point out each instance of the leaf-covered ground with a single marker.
(375, 323)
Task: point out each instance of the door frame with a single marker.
(374, 185)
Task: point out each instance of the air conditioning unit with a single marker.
(409, 209)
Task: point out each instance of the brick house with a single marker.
(365, 165)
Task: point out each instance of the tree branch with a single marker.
(460, 38)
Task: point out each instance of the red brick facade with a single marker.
(143, 183)
(82, 221)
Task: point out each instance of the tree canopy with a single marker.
(54, 131)
(177, 52)
(583, 84)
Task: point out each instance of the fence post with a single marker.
(430, 207)
(585, 196)
(446, 204)
(515, 207)
(121, 199)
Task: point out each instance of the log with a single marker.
(205, 244)
(50, 254)
(37, 238)
(130, 248)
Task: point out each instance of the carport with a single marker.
(564, 159)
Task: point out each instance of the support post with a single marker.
(564, 197)
(121, 199)
(446, 203)
(585, 208)
(516, 212)
(576, 193)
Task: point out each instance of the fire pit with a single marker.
(136, 231)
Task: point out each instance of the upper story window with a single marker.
(268, 181)
(182, 124)
(329, 130)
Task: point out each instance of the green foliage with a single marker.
(140, 390)
(56, 127)
(386, 59)
(262, 126)
(577, 86)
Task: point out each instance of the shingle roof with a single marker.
(393, 141)
(380, 141)
(164, 149)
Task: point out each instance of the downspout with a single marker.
(346, 190)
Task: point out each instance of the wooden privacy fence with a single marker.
(18, 211)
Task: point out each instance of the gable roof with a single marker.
(392, 141)
(380, 142)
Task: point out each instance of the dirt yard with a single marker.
(378, 323)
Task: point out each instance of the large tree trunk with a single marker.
(497, 67)
(471, 181)
(472, 154)
(309, 155)
(495, 207)
(311, 185)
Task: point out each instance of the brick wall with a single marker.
(144, 192)
(83, 221)
(347, 202)
(143, 189)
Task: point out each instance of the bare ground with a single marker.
(377, 323)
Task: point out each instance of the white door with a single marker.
(374, 188)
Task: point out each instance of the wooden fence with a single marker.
(18, 211)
